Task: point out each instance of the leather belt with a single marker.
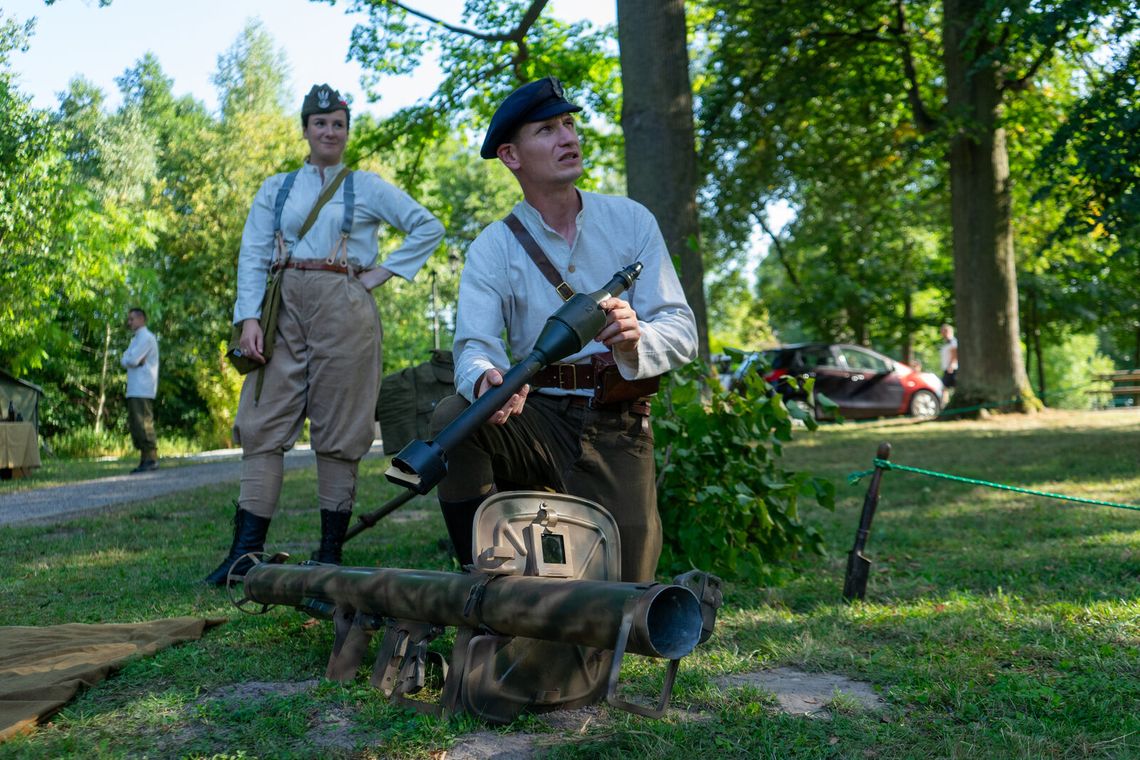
(307, 265)
(568, 377)
(639, 407)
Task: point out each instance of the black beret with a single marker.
(534, 101)
(322, 99)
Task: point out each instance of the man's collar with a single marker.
(534, 213)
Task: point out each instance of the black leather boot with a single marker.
(459, 517)
(249, 536)
(333, 527)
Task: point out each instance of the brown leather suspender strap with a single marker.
(602, 373)
(539, 257)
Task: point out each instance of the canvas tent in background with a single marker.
(23, 396)
(19, 437)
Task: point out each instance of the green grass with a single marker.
(997, 624)
(56, 471)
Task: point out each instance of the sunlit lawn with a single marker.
(55, 470)
(997, 624)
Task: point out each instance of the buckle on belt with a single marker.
(564, 290)
(572, 385)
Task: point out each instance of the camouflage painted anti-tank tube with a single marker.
(665, 619)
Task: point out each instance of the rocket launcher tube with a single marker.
(420, 465)
(666, 619)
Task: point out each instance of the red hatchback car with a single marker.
(862, 383)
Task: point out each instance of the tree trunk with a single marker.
(1033, 339)
(660, 147)
(908, 328)
(991, 369)
(103, 380)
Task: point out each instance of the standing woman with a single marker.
(326, 351)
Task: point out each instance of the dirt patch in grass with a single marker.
(334, 730)
(814, 695)
(255, 691)
(410, 515)
(563, 724)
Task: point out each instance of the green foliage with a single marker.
(79, 443)
(1070, 368)
(737, 319)
(494, 49)
(854, 106)
(34, 203)
(466, 194)
(726, 503)
(253, 74)
(87, 443)
(869, 231)
(1091, 173)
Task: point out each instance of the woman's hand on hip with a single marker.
(374, 278)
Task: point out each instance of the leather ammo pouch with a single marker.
(610, 387)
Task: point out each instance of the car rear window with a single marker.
(857, 359)
(816, 356)
(778, 358)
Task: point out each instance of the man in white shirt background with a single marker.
(948, 358)
(141, 362)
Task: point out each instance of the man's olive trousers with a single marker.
(604, 455)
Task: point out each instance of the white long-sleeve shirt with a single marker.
(141, 362)
(502, 289)
(376, 201)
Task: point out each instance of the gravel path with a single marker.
(57, 503)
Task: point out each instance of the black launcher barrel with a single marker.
(422, 464)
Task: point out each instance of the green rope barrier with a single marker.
(885, 464)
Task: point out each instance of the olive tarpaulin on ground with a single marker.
(42, 668)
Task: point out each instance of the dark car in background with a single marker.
(861, 382)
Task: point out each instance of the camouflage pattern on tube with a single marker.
(666, 619)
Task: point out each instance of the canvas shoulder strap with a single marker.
(325, 196)
(282, 195)
(539, 257)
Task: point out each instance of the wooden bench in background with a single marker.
(1120, 388)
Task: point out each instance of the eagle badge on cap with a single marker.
(556, 86)
(323, 97)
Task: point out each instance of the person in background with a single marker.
(327, 347)
(948, 358)
(559, 435)
(140, 360)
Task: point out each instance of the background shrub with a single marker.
(726, 504)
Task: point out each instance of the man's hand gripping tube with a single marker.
(422, 464)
